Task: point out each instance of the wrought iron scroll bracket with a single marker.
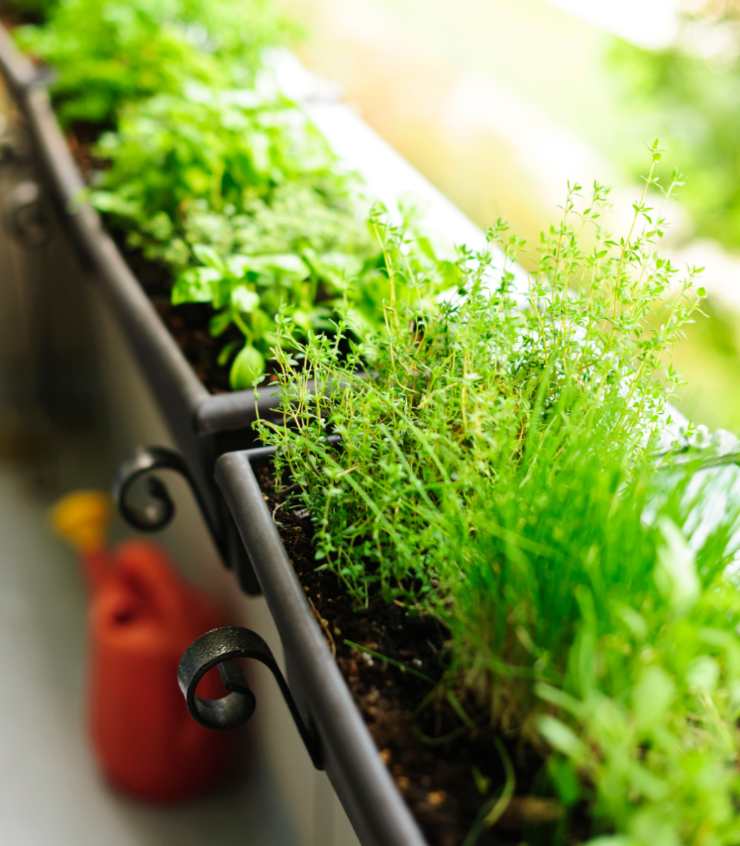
(222, 648)
(159, 509)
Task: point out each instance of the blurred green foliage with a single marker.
(694, 102)
(689, 93)
(105, 54)
(708, 358)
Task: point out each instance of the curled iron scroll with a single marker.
(222, 648)
(158, 509)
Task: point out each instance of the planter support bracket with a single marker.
(222, 648)
(159, 510)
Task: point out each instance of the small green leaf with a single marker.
(703, 675)
(652, 696)
(208, 256)
(286, 263)
(562, 737)
(244, 299)
(247, 368)
(195, 285)
(566, 780)
(160, 227)
(238, 265)
(219, 323)
(227, 352)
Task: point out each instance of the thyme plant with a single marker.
(499, 472)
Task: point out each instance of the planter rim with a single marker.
(373, 804)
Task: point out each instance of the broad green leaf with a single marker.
(247, 368)
(244, 299)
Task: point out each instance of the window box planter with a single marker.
(212, 434)
(348, 753)
(214, 439)
(203, 425)
(338, 737)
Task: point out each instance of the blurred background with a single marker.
(499, 103)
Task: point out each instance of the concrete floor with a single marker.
(50, 790)
(72, 406)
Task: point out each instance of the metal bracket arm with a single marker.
(160, 509)
(221, 648)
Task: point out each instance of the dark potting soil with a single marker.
(391, 659)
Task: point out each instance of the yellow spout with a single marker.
(82, 518)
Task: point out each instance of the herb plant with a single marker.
(212, 173)
(247, 205)
(109, 52)
(501, 469)
(500, 474)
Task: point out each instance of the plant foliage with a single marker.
(107, 53)
(501, 467)
(500, 474)
(245, 202)
(211, 172)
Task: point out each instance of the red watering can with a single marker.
(142, 617)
